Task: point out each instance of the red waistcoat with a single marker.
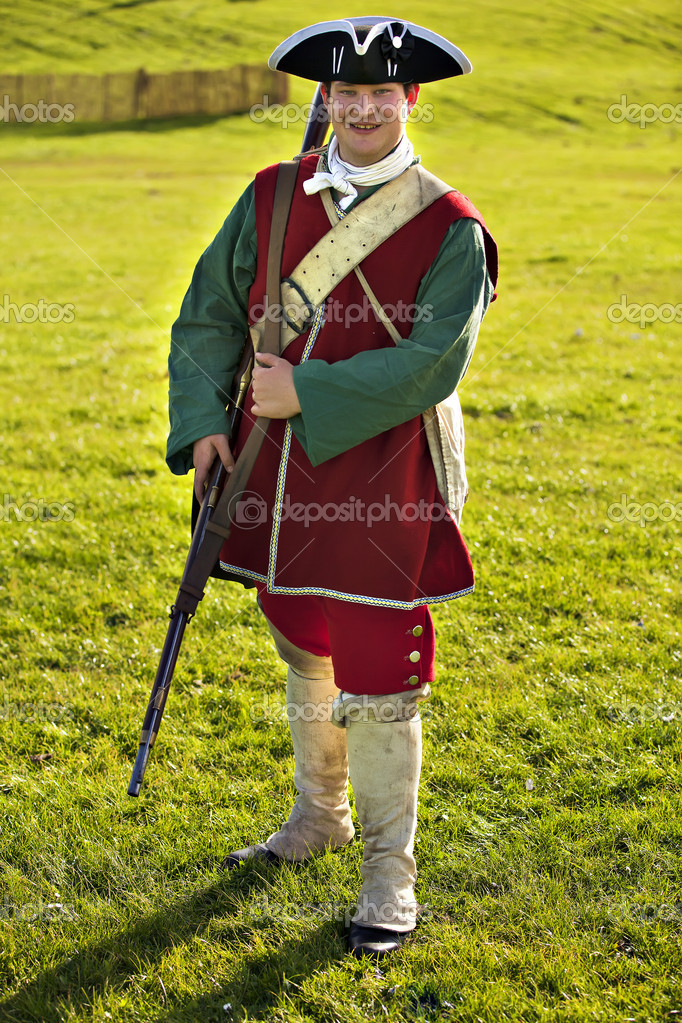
(368, 525)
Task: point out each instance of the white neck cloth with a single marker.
(344, 176)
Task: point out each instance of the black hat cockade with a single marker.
(369, 51)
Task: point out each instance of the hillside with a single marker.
(532, 64)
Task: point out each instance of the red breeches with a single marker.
(374, 650)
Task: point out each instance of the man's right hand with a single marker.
(204, 454)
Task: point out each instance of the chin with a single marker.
(373, 151)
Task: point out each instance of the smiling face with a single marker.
(368, 120)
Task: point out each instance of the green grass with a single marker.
(562, 670)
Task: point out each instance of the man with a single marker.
(350, 529)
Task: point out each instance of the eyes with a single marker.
(379, 93)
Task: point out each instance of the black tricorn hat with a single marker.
(367, 51)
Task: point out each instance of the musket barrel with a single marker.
(157, 700)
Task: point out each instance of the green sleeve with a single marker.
(346, 402)
(208, 336)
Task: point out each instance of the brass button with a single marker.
(417, 630)
(413, 680)
(415, 656)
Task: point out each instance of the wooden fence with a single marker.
(134, 95)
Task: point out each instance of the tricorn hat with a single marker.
(368, 51)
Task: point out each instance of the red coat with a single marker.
(368, 525)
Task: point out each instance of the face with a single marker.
(368, 120)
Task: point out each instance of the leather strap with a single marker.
(219, 524)
(439, 419)
(346, 244)
(330, 210)
(284, 193)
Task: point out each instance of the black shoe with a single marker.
(259, 853)
(373, 942)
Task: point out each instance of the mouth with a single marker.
(364, 127)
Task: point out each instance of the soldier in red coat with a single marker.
(351, 527)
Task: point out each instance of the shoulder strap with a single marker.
(364, 229)
(432, 186)
(330, 210)
(211, 530)
(284, 193)
(443, 423)
(346, 244)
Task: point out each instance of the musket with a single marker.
(179, 618)
(207, 534)
(316, 128)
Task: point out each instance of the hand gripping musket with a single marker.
(224, 490)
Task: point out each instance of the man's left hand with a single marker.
(274, 394)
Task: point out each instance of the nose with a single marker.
(364, 105)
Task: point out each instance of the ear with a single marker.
(412, 95)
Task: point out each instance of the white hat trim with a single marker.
(377, 27)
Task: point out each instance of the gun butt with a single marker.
(139, 768)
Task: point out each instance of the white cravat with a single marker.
(344, 176)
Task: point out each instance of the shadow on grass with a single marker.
(151, 125)
(261, 978)
(112, 963)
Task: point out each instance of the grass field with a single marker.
(550, 837)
